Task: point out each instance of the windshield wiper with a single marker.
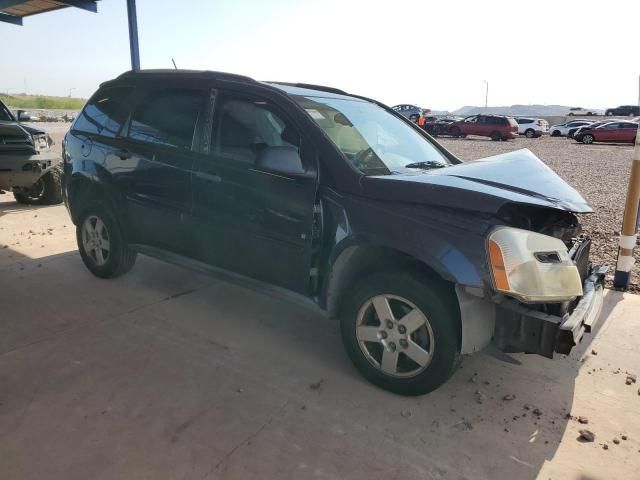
(427, 164)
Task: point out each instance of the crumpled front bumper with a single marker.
(19, 170)
(520, 328)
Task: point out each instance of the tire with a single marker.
(46, 191)
(455, 132)
(555, 133)
(98, 228)
(570, 115)
(609, 114)
(496, 137)
(587, 139)
(631, 114)
(435, 342)
(530, 133)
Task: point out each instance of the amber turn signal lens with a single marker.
(497, 266)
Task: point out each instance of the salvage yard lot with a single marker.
(166, 373)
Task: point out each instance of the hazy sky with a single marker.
(434, 54)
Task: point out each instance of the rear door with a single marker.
(161, 139)
(628, 132)
(245, 220)
(607, 133)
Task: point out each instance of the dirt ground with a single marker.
(165, 373)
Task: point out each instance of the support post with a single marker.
(629, 234)
(133, 34)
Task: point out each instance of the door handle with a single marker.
(123, 154)
(209, 176)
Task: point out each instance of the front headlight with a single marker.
(532, 267)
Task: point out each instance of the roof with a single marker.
(13, 11)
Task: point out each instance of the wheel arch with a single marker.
(81, 191)
(361, 258)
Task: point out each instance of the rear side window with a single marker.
(98, 115)
(167, 118)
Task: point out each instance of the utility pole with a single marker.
(133, 34)
(629, 234)
(486, 94)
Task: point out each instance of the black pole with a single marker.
(133, 34)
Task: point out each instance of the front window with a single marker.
(5, 114)
(376, 142)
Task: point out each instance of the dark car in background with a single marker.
(439, 126)
(612, 132)
(497, 127)
(340, 201)
(623, 110)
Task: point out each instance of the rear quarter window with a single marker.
(98, 115)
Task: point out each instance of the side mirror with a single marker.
(282, 160)
(23, 116)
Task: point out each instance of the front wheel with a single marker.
(401, 330)
(496, 137)
(588, 139)
(46, 191)
(530, 133)
(455, 132)
(101, 243)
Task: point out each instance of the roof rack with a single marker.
(311, 86)
(170, 71)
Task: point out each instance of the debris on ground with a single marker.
(631, 378)
(583, 420)
(624, 437)
(593, 352)
(587, 435)
(317, 385)
(405, 413)
(537, 412)
(616, 441)
(605, 447)
(508, 397)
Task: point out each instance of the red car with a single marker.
(496, 127)
(617, 132)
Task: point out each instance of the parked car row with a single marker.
(589, 131)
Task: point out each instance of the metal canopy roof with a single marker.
(13, 11)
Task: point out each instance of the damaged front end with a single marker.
(533, 325)
(545, 329)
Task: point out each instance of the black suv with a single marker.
(626, 110)
(341, 200)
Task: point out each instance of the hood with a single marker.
(33, 130)
(481, 185)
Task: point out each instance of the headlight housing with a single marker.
(532, 267)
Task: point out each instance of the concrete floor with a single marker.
(169, 374)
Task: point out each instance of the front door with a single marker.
(160, 142)
(246, 220)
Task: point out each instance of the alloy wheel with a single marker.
(395, 336)
(587, 139)
(95, 240)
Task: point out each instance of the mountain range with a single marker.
(516, 110)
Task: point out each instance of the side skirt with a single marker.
(227, 276)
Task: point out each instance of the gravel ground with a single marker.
(599, 172)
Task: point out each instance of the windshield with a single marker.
(5, 115)
(375, 141)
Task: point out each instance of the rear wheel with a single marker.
(496, 137)
(588, 138)
(455, 132)
(530, 133)
(101, 243)
(555, 133)
(46, 191)
(401, 330)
